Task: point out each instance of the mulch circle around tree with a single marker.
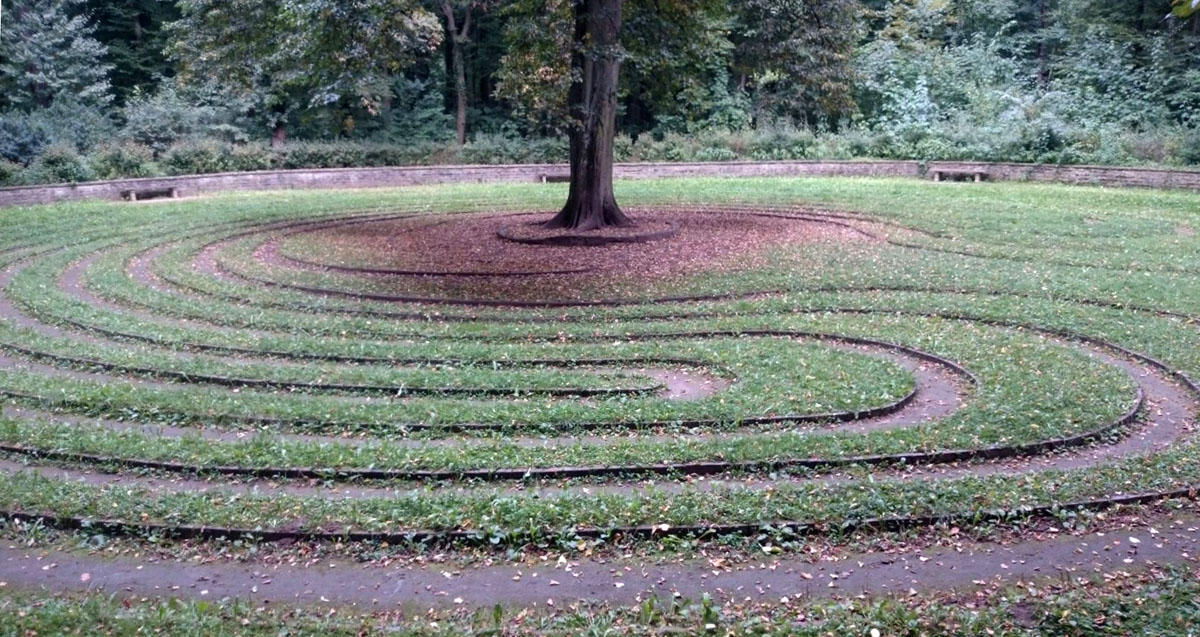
(534, 233)
(466, 257)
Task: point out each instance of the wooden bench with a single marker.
(153, 193)
(959, 175)
(556, 178)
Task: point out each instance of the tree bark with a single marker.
(278, 135)
(1043, 68)
(595, 65)
(456, 41)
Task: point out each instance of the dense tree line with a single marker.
(143, 86)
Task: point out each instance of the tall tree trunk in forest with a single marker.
(278, 135)
(1043, 70)
(595, 64)
(456, 41)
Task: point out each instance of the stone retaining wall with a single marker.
(1087, 175)
(414, 175)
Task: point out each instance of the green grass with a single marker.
(1093, 262)
(1161, 603)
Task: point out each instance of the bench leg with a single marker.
(978, 177)
(937, 176)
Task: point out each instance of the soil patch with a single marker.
(966, 566)
(465, 256)
(533, 233)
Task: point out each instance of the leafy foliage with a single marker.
(48, 51)
(133, 31)
(799, 54)
(21, 141)
(290, 55)
(60, 163)
(1063, 81)
(173, 114)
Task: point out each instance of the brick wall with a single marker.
(1086, 175)
(407, 176)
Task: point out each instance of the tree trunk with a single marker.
(1043, 68)
(456, 40)
(460, 92)
(278, 135)
(595, 64)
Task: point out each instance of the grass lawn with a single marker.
(813, 354)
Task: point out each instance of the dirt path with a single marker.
(1169, 416)
(1161, 540)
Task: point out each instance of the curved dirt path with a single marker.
(678, 384)
(1161, 540)
(927, 403)
(675, 384)
(1167, 420)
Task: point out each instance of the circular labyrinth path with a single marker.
(405, 379)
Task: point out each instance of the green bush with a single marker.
(195, 158)
(115, 161)
(249, 157)
(1189, 148)
(173, 115)
(1038, 140)
(21, 140)
(60, 163)
(715, 153)
(780, 144)
(11, 173)
(493, 149)
(319, 155)
(547, 150)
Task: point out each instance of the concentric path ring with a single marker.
(110, 336)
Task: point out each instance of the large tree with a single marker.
(670, 52)
(592, 106)
(48, 50)
(133, 32)
(293, 54)
(458, 18)
(796, 56)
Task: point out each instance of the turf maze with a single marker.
(260, 374)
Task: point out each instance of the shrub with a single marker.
(494, 149)
(1041, 139)
(171, 116)
(319, 155)
(190, 158)
(11, 173)
(416, 154)
(249, 157)
(21, 141)
(623, 148)
(114, 161)
(69, 122)
(780, 144)
(60, 163)
(714, 153)
(1189, 148)
(547, 150)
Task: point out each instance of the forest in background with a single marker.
(93, 89)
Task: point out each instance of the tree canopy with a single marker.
(50, 50)
(303, 54)
(488, 80)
